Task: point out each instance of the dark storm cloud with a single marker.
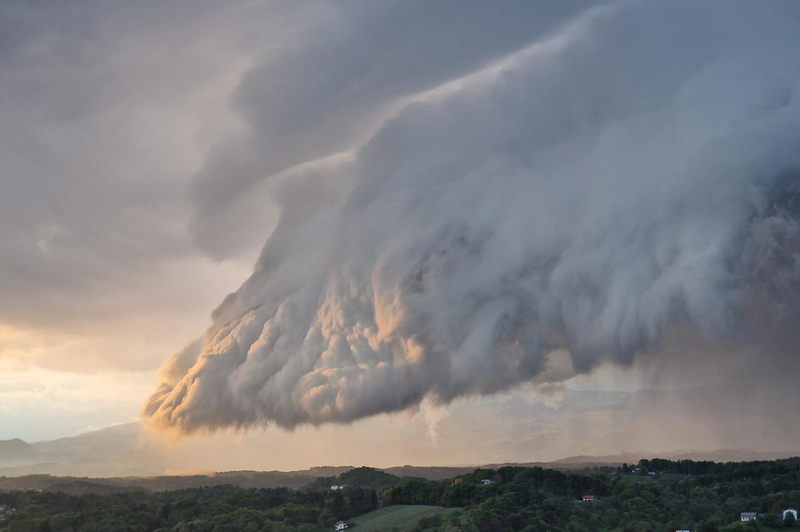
(333, 80)
(604, 183)
(109, 109)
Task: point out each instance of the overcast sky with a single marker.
(150, 150)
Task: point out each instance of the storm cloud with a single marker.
(626, 172)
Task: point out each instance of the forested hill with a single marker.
(650, 496)
(360, 477)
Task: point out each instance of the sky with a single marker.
(283, 222)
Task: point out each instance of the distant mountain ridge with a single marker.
(299, 480)
(720, 455)
(116, 452)
(90, 452)
(17, 451)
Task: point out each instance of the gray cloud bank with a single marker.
(627, 172)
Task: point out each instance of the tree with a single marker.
(773, 521)
(337, 505)
(373, 499)
(707, 526)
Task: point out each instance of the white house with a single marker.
(341, 525)
(790, 511)
(748, 516)
(486, 481)
(336, 488)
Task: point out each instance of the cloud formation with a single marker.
(629, 173)
(334, 72)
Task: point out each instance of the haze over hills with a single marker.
(94, 446)
(572, 429)
(123, 451)
(123, 458)
(579, 428)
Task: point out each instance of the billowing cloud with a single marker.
(134, 137)
(172, 371)
(334, 72)
(631, 173)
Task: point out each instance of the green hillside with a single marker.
(518, 499)
(401, 517)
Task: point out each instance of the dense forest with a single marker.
(653, 495)
(213, 509)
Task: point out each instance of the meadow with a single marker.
(401, 517)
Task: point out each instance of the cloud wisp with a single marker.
(630, 174)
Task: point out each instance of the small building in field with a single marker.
(789, 511)
(341, 525)
(748, 516)
(458, 481)
(486, 482)
(588, 497)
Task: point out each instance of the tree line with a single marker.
(518, 499)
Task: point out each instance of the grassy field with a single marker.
(400, 517)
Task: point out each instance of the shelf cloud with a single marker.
(626, 172)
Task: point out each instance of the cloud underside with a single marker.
(630, 172)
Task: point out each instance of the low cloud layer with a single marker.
(631, 173)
